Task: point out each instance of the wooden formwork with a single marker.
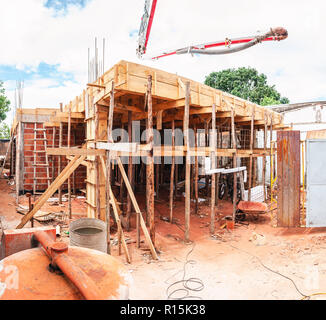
(172, 101)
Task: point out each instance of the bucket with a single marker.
(88, 233)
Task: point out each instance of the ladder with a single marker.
(6, 156)
(37, 157)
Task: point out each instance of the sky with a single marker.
(45, 42)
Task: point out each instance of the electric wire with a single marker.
(188, 285)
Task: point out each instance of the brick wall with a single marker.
(41, 183)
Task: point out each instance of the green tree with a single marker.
(4, 131)
(4, 103)
(4, 108)
(246, 83)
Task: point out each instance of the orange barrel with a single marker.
(27, 275)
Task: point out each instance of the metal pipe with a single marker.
(58, 253)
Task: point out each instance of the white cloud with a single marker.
(32, 34)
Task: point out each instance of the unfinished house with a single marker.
(215, 125)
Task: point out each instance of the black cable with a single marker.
(269, 269)
(190, 284)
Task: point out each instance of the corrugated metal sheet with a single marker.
(288, 178)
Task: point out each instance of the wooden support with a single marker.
(188, 161)
(69, 180)
(172, 172)
(196, 172)
(213, 166)
(60, 157)
(264, 157)
(97, 166)
(206, 144)
(108, 168)
(64, 175)
(53, 157)
(117, 212)
(150, 162)
(130, 169)
(234, 145)
(19, 160)
(272, 158)
(254, 176)
(135, 204)
(251, 149)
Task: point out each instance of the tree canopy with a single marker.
(4, 103)
(4, 108)
(246, 83)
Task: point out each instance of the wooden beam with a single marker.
(64, 175)
(213, 166)
(172, 174)
(135, 204)
(74, 152)
(108, 166)
(251, 149)
(188, 161)
(150, 162)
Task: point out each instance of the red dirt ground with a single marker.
(224, 263)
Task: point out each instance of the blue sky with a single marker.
(43, 70)
(62, 5)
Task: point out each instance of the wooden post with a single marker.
(69, 179)
(251, 149)
(254, 176)
(97, 165)
(196, 171)
(150, 163)
(213, 166)
(207, 145)
(74, 174)
(264, 158)
(234, 145)
(108, 169)
(53, 157)
(172, 172)
(19, 160)
(188, 161)
(272, 157)
(130, 169)
(157, 179)
(60, 157)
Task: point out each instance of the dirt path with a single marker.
(225, 264)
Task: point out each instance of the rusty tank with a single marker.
(56, 271)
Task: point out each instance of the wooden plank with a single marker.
(130, 170)
(108, 165)
(60, 158)
(251, 149)
(73, 165)
(135, 204)
(234, 145)
(75, 152)
(213, 166)
(69, 180)
(188, 161)
(150, 163)
(172, 174)
(196, 172)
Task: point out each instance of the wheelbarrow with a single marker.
(252, 208)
